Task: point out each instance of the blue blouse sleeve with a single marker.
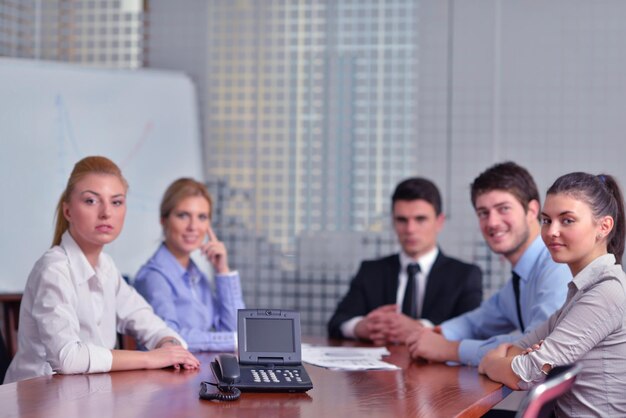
(218, 336)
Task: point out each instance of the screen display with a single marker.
(269, 335)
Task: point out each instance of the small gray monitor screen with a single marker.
(269, 335)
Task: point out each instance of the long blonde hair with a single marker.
(88, 165)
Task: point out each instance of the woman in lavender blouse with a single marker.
(203, 313)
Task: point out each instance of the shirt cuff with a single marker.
(218, 341)
(232, 273)
(348, 327)
(468, 352)
(426, 323)
(525, 368)
(100, 359)
(223, 337)
(448, 330)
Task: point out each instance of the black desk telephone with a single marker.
(269, 356)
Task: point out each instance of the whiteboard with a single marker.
(52, 115)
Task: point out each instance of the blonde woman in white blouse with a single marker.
(583, 226)
(75, 298)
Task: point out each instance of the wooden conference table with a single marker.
(417, 390)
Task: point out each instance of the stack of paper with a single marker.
(347, 358)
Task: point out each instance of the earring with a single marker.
(599, 237)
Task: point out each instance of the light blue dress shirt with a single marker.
(207, 320)
(543, 288)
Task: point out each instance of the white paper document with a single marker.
(347, 358)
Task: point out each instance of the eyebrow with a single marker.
(501, 204)
(565, 212)
(90, 191)
(403, 217)
(497, 205)
(98, 194)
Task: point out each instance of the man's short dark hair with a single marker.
(416, 188)
(508, 177)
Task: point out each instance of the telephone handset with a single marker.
(226, 371)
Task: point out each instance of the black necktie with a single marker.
(409, 304)
(519, 308)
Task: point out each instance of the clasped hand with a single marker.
(429, 344)
(385, 325)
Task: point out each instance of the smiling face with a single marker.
(417, 226)
(507, 228)
(95, 212)
(186, 227)
(571, 233)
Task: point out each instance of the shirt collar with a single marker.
(426, 261)
(171, 266)
(593, 271)
(526, 262)
(83, 271)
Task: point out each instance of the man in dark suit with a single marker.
(378, 306)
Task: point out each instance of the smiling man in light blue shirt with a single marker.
(506, 201)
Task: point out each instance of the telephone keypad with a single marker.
(275, 376)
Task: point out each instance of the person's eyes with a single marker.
(90, 201)
(182, 215)
(505, 209)
(546, 221)
(118, 202)
(482, 214)
(203, 217)
(568, 221)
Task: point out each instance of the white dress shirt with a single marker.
(70, 313)
(426, 263)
